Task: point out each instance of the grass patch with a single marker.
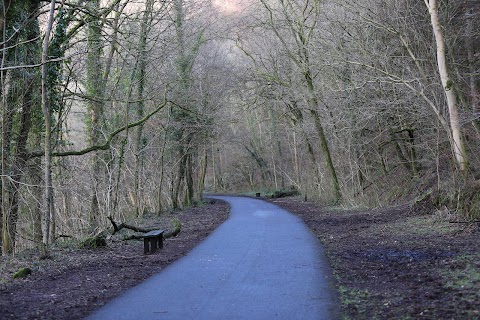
(424, 225)
(464, 274)
(353, 298)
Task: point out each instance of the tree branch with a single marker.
(105, 145)
(118, 227)
(36, 65)
(174, 231)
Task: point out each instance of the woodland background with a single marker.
(125, 107)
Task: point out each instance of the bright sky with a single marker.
(228, 6)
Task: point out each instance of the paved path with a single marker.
(262, 263)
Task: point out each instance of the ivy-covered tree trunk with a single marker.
(203, 169)
(140, 142)
(94, 90)
(35, 173)
(183, 120)
(472, 47)
(48, 204)
(21, 47)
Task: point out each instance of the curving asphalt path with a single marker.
(262, 263)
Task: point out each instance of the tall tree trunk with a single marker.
(178, 116)
(183, 120)
(95, 106)
(190, 190)
(23, 84)
(448, 87)
(217, 169)
(161, 169)
(296, 163)
(139, 141)
(203, 171)
(49, 211)
(7, 113)
(313, 161)
(473, 79)
(124, 142)
(327, 157)
(178, 179)
(35, 177)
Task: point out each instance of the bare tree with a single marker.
(447, 83)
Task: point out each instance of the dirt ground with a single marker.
(392, 263)
(398, 262)
(76, 281)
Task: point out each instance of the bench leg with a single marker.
(160, 241)
(146, 246)
(153, 244)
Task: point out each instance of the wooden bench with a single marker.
(152, 240)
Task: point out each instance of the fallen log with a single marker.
(94, 242)
(176, 228)
(118, 227)
(132, 237)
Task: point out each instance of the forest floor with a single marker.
(391, 263)
(398, 262)
(75, 281)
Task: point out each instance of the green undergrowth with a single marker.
(464, 273)
(95, 242)
(20, 266)
(420, 225)
(461, 201)
(22, 273)
(354, 298)
(202, 202)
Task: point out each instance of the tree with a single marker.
(49, 210)
(294, 25)
(184, 114)
(142, 65)
(447, 84)
(94, 91)
(19, 88)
